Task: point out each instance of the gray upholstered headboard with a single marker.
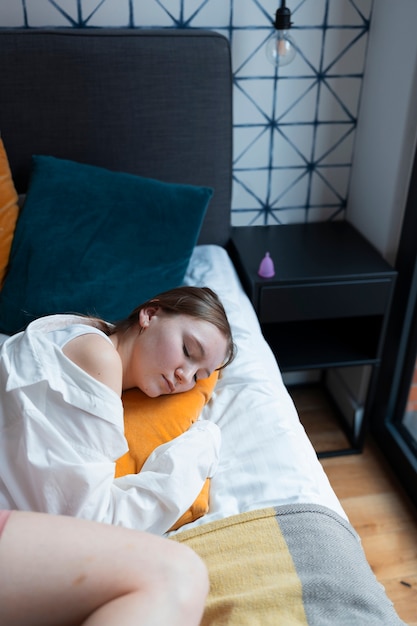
(149, 102)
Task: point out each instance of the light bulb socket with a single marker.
(283, 18)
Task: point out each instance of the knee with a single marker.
(197, 570)
(190, 570)
(169, 570)
(189, 579)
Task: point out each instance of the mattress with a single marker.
(266, 458)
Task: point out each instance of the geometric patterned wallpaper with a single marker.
(294, 129)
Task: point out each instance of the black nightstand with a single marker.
(328, 303)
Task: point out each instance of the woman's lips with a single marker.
(169, 384)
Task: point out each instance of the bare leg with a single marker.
(62, 570)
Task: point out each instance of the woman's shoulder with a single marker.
(95, 354)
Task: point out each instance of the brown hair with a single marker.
(199, 302)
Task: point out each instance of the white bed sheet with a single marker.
(266, 458)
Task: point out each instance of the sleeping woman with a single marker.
(61, 413)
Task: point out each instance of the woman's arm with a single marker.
(169, 482)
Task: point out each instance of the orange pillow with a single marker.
(150, 422)
(9, 211)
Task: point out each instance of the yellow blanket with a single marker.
(249, 584)
(291, 565)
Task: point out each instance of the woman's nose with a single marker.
(184, 375)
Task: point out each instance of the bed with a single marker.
(158, 105)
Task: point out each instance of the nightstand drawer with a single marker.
(323, 300)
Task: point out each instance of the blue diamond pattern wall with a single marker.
(294, 129)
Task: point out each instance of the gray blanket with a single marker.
(290, 565)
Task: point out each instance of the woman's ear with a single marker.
(145, 315)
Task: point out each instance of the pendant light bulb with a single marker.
(280, 48)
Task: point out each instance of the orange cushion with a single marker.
(9, 211)
(150, 422)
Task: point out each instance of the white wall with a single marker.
(383, 154)
(387, 126)
(293, 130)
(304, 168)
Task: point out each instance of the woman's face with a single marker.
(173, 351)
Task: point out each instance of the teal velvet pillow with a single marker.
(97, 242)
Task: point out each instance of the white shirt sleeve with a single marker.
(169, 482)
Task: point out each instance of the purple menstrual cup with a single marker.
(266, 268)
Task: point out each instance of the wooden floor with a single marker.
(374, 501)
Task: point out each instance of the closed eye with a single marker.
(188, 355)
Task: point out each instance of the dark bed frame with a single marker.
(152, 102)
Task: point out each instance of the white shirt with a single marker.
(61, 431)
